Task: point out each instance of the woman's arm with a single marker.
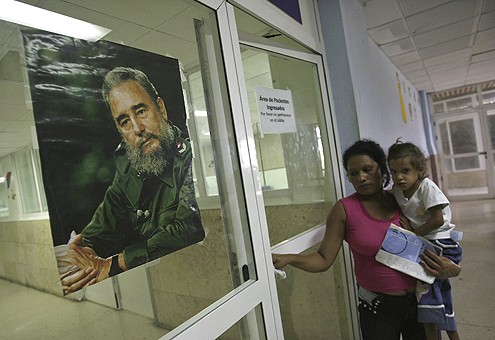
(329, 248)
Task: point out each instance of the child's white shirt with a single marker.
(416, 208)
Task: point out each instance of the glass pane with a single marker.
(183, 283)
(204, 164)
(36, 160)
(288, 118)
(438, 108)
(303, 299)
(292, 164)
(459, 104)
(467, 163)
(488, 92)
(239, 331)
(4, 195)
(27, 184)
(463, 136)
(489, 97)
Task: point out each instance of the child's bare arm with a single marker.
(404, 222)
(436, 220)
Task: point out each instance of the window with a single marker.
(489, 97)
(32, 194)
(4, 206)
(459, 104)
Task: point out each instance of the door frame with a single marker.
(313, 236)
(217, 318)
(480, 114)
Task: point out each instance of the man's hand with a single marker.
(85, 257)
(77, 280)
(439, 266)
(87, 268)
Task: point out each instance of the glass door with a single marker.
(227, 190)
(467, 154)
(293, 133)
(490, 146)
(222, 287)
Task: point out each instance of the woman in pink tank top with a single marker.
(387, 303)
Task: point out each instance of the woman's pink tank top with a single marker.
(365, 234)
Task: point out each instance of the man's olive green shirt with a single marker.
(145, 216)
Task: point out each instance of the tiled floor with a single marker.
(29, 314)
(473, 290)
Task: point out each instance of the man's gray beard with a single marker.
(154, 163)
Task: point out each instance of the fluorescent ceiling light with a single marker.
(32, 16)
(200, 113)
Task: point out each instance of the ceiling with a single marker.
(436, 44)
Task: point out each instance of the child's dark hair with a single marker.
(371, 149)
(401, 150)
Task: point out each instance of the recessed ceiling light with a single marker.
(36, 17)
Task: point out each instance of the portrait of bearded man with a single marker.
(150, 209)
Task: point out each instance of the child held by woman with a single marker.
(427, 214)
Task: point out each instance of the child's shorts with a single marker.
(436, 306)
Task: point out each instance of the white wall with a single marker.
(371, 80)
(374, 79)
(380, 113)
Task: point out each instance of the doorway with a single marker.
(464, 122)
(466, 142)
(299, 176)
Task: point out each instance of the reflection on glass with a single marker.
(4, 206)
(204, 164)
(27, 182)
(292, 161)
(185, 282)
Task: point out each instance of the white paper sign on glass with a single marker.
(276, 110)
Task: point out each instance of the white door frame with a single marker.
(214, 320)
(227, 311)
(483, 140)
(311, 237)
